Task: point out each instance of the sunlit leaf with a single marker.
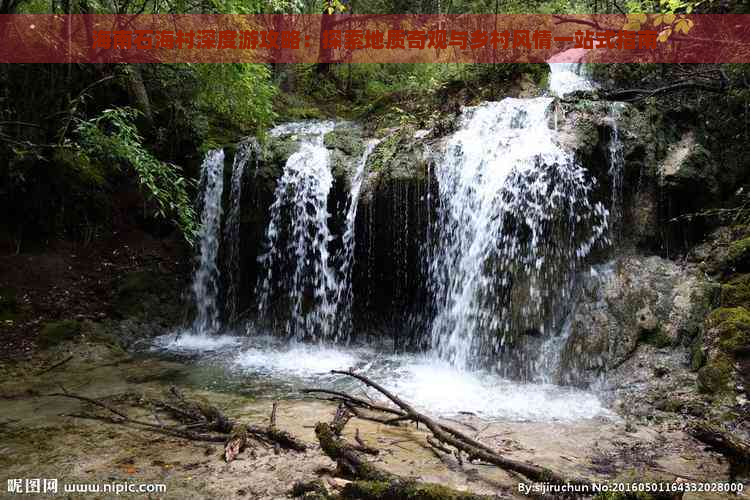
(664, 35)
(637, 18)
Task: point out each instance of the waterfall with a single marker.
(514, 219)
(344, 293)
(207, 277)
(616, 168)
(245, 151)
(318, 283)
(296, 262)
(566, 69)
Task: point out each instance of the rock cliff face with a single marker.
(394, 220)
(629, 303)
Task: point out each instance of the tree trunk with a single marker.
(138, 93)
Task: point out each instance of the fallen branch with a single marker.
(630, 95)
(346, 457)
(363, 447)
(167, 431)
(344, 397)
(371, 482)
(463, 443)
(199, 421)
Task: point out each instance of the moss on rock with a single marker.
(78, 166)
(732, 325)
(697, 355)
(736, 292)
(102, 333)
(347, 139)
(398, 157)
(53, 333)
(279, 148)
(738, 255)
(716, 376)
(404, 490)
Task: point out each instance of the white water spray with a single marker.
(246, 151)
(301, 268)
(566, 73)
(514, 220)
(207, 276)
(616, 167)
(344, 292)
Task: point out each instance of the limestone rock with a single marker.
(634, 300)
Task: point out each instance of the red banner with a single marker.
(470, 38)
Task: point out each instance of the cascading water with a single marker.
(317, 283)
(299, 215)
(616, 168)
(245, 152)
(514, 220)
(206, 279)
(344, 293)
(566, 70)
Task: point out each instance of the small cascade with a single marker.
(616, 168)
(207, 276)
(246, 151)
(514, 220)
(344, 293)
(566, 73)
(296, 263)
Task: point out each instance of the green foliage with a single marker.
(668, 8)
(364, 83)
(242, 93)
(113, 137)
(77, 164)
(333, 7)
